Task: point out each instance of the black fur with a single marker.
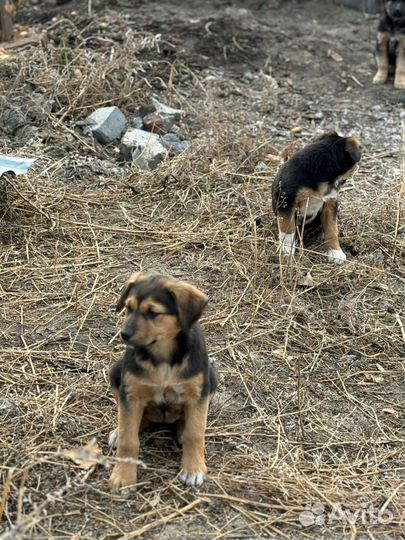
(321, 161)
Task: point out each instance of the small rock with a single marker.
(144, 148)
(106, 124)
(8, 409)
(296, 130)
(249, 76)
(143, 110)
(27, 133)
(77, 74)
(272, 158)
(209, 78)
(261, 166)
(172, 143)
(137, 122)
(158, 123)
(378, 258)
(159, 84)
(313, 115)
(166, 110)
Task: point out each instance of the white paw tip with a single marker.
(192, 479)
(287, 243)
(113, 440)
(336, 256)
(287, 250)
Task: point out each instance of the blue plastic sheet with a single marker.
(17, 165)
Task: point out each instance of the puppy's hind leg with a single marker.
(330, 227)
(382, 58)
(286, 233)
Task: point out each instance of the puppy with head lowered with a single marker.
(305, 190)
(390, 49)
(165, 374)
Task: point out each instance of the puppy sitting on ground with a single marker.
(306, 187)
(165, 374)
(390, 49)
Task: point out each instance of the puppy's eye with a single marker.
(151, 314)
(129, 309)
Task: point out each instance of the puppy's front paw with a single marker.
(123, 475)
(380, 78)
(194, 479)
(399, 82)
(336, 256)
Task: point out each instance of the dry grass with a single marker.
(310, 405)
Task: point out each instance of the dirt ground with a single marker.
(306, 432)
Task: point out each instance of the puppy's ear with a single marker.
(354, 148)
(190, 302)
(329, 133)
(135, 279)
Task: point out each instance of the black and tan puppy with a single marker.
(390, 49)
(306, 187)
(165, 374)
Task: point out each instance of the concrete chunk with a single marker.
(172, 142)
(166, 110)
(143, 148)
(158, 123)
(106, 124)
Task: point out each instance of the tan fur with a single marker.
(330, 226)
(129, 422)
(286, 223)
(195, 423)
(137, 277)
(162, 330)
(399, 81)
(382, 59)
(162, 384)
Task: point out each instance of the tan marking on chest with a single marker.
(309, 202)
(163, 391)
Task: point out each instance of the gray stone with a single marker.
(261, 166)
(137, 121)
(166, 110)
(27, 133)
(106, 124)
(172, 142)
(159, 83)
(144, 148)
(8, 409)
(143, 110)
(158, 122)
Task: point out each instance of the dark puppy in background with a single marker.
(306, 187)
(390, 50)
(165, 374)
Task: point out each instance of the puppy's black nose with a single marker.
(398, 12)
(125, 336)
